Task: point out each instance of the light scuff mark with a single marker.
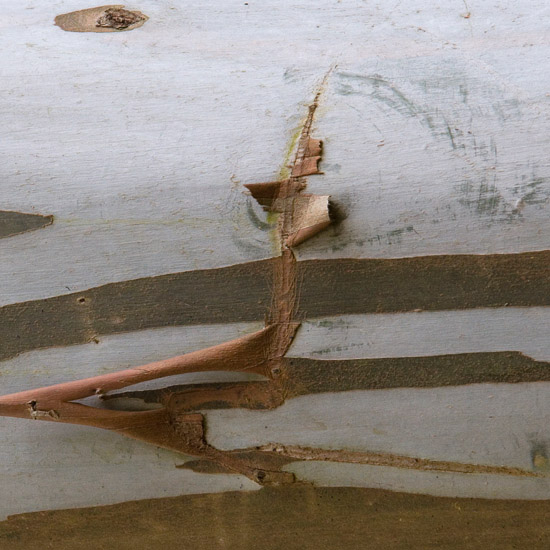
(101, 19)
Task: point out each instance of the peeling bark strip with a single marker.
(295, 518)
(169, 427)
(14, 223)
(300, 217)
(277, 456)
(243, 293)
(193, 397)
(101, 19)
(307, 376)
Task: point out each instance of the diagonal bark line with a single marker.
(306, 376)
(392, 460)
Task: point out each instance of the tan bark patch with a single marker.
(101, 19)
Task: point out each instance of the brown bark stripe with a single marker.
(334, 287)
(294, 518)
(243, 293)
(232, 294)
(14, 223)
(307, 376)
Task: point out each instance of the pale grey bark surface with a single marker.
(435, 124)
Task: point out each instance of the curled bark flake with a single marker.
(118, 18)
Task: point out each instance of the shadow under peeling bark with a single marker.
(303, 376)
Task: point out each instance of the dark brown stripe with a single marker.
(231, 294)
(242, 293)
(13, 223)
(332, 287)
(307, 376)
(294, 518)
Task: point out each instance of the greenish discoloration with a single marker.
(484, 198)
(390, 237)
(533, 195)
(396, 234)
(539, 457)
(307, 376)
(15, 223)
(274, 237)
(451, 137)
(380, 89)
(293, 517)
(253, 217)
(330, 323)
(284, 172)
(533, 191)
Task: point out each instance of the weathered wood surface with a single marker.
(139, 144)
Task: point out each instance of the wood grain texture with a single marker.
(298, 518)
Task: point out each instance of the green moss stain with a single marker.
(274, 237)
(284, 172)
